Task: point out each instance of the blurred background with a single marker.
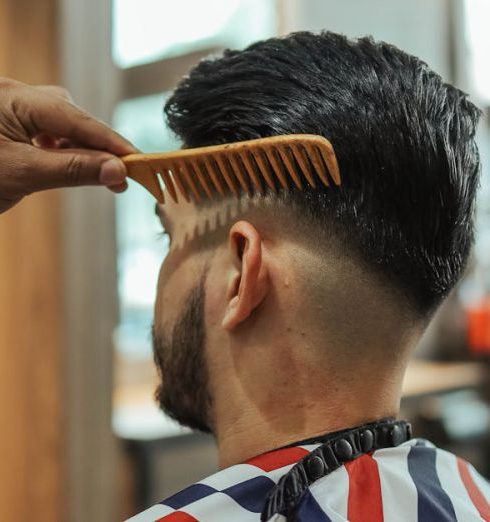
(81, 438)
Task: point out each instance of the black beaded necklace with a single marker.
(337, 448)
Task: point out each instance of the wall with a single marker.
(432, 30)
(90, 281)
(31, 390)
(419, 27)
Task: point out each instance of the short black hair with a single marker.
(404, 140)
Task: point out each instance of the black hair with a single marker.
(404, 140)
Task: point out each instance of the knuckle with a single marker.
(12, 106)
(21, 111)
(74, 171)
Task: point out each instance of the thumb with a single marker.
(49, 169)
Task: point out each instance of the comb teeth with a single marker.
(248, 167)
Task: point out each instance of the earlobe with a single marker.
(249, 282)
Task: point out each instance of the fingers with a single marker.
(39, 128)
(47, 110)
(117, 189)
(56, 90)
(46, 142)
(38, 169)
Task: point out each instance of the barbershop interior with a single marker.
(82, 437)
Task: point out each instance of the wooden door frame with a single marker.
(90, 279)
(31, 309)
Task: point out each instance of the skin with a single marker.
(47, 142)
(289, 337)
(299, 341)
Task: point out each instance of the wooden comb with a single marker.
(237, 168)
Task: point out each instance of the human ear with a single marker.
(248, 281)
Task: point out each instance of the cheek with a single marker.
(216, 286)
(175, 282)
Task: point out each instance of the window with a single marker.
(478, 41)
(146, 31)
(475, 290)
(140, 249)
(149, 30)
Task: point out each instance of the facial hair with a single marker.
(183, 393)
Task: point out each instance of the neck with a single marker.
(292, 412)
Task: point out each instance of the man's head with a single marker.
(324, 278)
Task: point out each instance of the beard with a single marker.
(183, 393)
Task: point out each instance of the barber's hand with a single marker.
(47, 142)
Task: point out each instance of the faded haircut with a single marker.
(404, 140)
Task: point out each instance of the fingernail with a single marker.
(119, 188)
(112, 172)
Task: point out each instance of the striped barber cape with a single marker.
(414, 482)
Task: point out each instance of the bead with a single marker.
(397, 436)
(343, 449)
(367, 440)
(315, 468)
